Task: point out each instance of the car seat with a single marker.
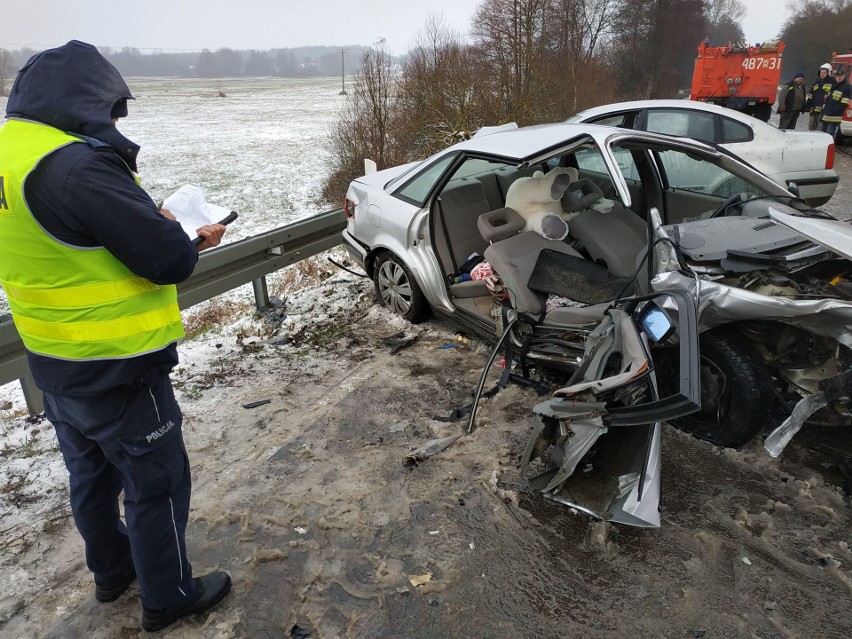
(456, 232)
(617, 239)
(514, 255)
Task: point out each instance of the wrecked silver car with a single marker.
(753, 285)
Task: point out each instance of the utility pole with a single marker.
(342, 76)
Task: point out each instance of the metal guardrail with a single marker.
(218, 270)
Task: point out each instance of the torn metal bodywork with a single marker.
(781, 281)
(596, 432)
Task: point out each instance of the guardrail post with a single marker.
(261, 294)
(218, 270)
(32, 395)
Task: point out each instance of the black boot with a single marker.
(109, 594)
(210, 590)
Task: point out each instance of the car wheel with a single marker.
(736, 391)
(397, 290)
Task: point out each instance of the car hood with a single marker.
(832, 234)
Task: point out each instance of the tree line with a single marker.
(535, 61)
(298, 62)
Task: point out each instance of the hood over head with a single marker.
(75, 89)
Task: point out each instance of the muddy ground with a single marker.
(307, 503)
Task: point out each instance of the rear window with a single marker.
(620, 120)
(689, 124)
(418, 189)
(733, 131)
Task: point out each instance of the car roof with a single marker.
(692, 105)
(534, 141)
(531, 140)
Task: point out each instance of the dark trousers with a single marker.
(129, 438)
(788, 120)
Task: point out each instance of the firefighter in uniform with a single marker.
(89, 264)
(836, 103)
(819, 90)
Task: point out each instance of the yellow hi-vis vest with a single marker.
(68, 302)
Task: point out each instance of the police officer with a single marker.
(89, 264)
(817, 94)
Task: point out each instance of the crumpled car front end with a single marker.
(783, 285)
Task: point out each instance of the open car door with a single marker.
(602, 432)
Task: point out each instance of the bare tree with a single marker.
(364, 128)
(578, 32)
(654, 45)
(442, 96)
(720, 10)
(815, 30)
(509, 37)
(724, 21)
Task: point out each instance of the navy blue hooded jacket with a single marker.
(85, 195)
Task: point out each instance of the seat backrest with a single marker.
(507, 175)
(616, 238)
(492, 190)
(514, 260)
(456, 214)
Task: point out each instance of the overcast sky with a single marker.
(261, 24)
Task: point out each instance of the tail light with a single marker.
(349, 205)
(829, 156)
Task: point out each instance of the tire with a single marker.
(736, 391)
(397, 290)
(762, 111)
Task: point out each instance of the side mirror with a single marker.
(793, 188)
(655, 322)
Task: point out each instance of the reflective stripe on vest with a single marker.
(70, 302)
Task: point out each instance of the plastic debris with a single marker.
(747, 561)
(430, 448)
(419, 580)
(400, 340)
(297, 632)
(300, 530)
(260, 402)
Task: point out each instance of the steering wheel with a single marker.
(722, 211)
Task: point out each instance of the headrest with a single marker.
(499, 224)
(580, 195)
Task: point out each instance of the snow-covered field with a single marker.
(260, 151)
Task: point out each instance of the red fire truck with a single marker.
(844, 61)
(740, 77)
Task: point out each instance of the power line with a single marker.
(342, 75)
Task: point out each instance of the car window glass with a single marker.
(690, 124)
(700, 176)
(733, 131)
(618, 120)
(418, 188)
(476, 167)
(591, 165)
